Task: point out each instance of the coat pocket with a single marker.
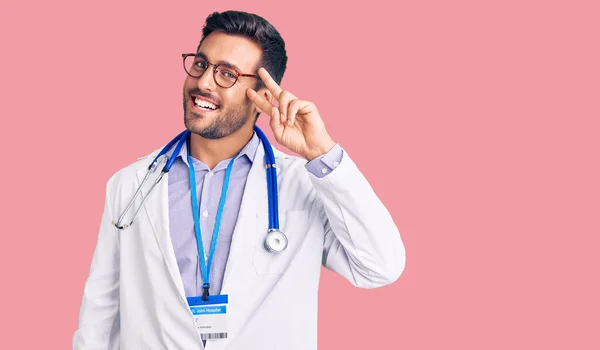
(294, 224)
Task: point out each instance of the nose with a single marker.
(207, 79)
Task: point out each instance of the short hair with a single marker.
(257, 29)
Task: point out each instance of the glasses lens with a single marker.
(226, 77)
(195, 66)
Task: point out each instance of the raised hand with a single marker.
(296, 123)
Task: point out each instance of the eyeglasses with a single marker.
(224, 76)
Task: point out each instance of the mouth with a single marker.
(203, 105)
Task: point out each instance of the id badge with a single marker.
(210, 316)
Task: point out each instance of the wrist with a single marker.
(319, 150)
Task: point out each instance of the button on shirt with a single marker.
(209, 184)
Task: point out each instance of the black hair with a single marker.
(257, 29)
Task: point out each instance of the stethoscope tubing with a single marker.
(179, 139)
(271, 182)
(272, 188)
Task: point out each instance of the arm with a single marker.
(362, 243)
(98, 316)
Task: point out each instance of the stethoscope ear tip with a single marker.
(120, 227)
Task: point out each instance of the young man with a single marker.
(149, 288)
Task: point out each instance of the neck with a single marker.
(211, 152)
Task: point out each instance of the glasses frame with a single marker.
(215, 70)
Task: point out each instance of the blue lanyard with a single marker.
(205, 265)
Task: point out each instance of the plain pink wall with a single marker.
(476, 122)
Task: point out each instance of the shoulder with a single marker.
(289, 163)
(294, 180)
(129, 173)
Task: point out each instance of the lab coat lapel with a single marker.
(157, 209)
(254, 201)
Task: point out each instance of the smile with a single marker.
(204, 104)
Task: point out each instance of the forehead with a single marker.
(235, 49)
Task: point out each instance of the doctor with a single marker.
(148, 286)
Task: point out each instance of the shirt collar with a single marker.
(248, 151)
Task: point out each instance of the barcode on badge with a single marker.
(207, 336)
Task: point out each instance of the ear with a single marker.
(266, 94)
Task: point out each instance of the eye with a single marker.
(228, 73)
(200, 63)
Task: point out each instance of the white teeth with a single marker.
(204, 104)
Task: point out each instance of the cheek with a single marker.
(188, 84)
(234, 97)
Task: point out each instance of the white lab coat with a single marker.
(134, 298)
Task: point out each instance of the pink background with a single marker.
(476, 122)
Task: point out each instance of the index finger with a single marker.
(270, 83)
(260, 101)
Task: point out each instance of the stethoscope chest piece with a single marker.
(276, 241)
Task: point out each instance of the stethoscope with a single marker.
(276, 241)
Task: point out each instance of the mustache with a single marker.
(206, 95)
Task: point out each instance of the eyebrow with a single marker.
(220, 63)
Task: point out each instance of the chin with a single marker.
(195, 125)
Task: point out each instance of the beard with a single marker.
(229, 120)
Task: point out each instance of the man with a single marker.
(149, 288)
